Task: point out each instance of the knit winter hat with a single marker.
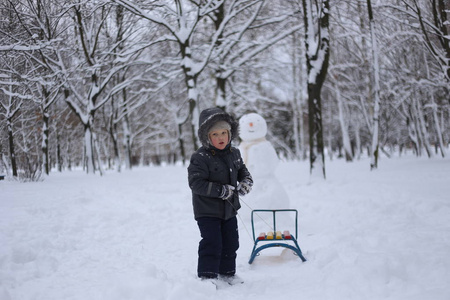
(220, 125)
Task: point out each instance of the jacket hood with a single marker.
(208, 118)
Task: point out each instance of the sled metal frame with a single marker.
(283, 242)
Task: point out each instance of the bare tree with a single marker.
(433, 21)
(13, 92)
(188, 21)
(244, 39)
(183, 21)
(100, 62)
(136, 73)
(11, 103)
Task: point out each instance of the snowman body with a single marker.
(261, 160)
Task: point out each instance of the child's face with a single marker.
(219, 138)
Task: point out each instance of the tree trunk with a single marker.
(97, 152)
(317, 57)
(316, 149)
(88, 149)
(438, 127)
(413, 131)
(434, 109)
(220, 93)
(296, 128)
(191, 84)
(4, 165)
(127, 141)
(297, 101)
(194, 115)
(358, 147)
(422, 128)
(220, 90)
(45, 134)
(374, 154)
(114, 139)
(181, 142)
(344, 128)
(59, 160)
(12, 153)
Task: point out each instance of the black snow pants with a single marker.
(218, 246)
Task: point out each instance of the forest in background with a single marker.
(104, 84)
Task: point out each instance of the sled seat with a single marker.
(275, 238)
(278, 235)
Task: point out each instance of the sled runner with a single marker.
(275, 238)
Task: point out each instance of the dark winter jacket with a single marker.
(211, 168)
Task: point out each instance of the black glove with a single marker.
(227, 192)
(245, 186)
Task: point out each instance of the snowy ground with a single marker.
(367, 235)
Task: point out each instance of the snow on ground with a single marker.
(383, 234)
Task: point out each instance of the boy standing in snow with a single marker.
(217, 176)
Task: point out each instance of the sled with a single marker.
(275, 238)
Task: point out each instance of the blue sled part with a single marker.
(256, 250)
(276, 242)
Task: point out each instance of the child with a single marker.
(217, 176)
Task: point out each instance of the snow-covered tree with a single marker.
(98, 60)
(248, 31)
(14, 94)
(125, 80)
(433, 22)
(184, 24)
(10, 103)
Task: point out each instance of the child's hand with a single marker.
(244, 187)
(227, 192)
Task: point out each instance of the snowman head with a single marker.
(252, 126)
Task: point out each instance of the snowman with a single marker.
(261, 160)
